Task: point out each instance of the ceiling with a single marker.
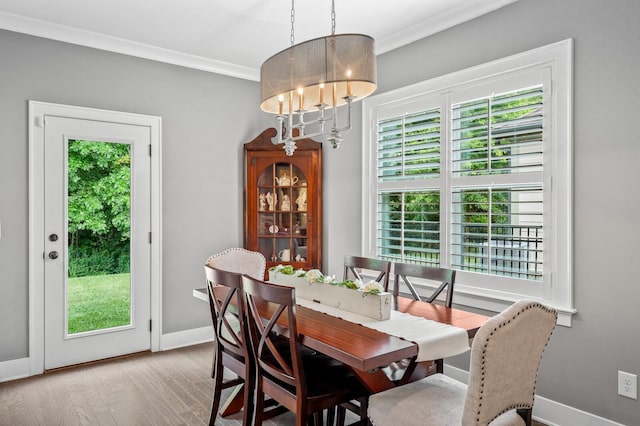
(230, 37)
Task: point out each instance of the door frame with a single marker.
(37, 113)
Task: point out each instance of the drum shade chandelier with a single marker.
(306, 83)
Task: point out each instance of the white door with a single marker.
(97, 252)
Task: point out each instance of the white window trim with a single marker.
(555, 63)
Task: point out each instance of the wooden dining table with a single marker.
(366, 350)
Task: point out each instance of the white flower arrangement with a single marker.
(314, 276)
(368, 298)
(373, 287)
(288, 270)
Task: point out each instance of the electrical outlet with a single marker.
(627, 385)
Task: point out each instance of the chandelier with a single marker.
(305, 84)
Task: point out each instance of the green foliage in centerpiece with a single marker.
(315, 276)
(283, 269)
(348, 284)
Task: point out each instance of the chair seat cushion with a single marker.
(510, 418)
(436, 400)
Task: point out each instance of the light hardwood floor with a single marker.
(162, 388)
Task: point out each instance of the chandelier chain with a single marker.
(333, 17)
(293, 20)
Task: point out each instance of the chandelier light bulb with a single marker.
(300, 99)
(280, 104)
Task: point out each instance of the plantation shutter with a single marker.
(408, 223)
(499, 134)
(497, 227)
(498, 231)
(409, 226)
(409, 146)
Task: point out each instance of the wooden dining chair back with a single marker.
(505, 358)
(239, 260)
(231, 338)
(407, 273)
(356, 267)
(306, 385)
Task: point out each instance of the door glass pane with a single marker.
(99, 225)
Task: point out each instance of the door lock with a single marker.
(53, 255)
(53, 237)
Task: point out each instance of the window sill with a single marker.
(498, 304)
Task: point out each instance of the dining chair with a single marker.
(354, 266)
(406, 273)
(505, 358)
(232, 349)
(306, 385)
(239, 260)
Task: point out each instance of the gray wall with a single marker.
(206, 118)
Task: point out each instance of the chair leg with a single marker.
(318, 418)
(310, 420)
(364, 407)
(258, 409)
(217, 373)
(331, 414)
(249, 384)
(341, 415)
(526, 414)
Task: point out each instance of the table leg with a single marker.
(409, 371)
(417, 371)
(234, 403)
(374, 381)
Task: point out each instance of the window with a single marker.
(472, 171)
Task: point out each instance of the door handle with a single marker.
(53, 255)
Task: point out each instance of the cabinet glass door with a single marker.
(282, 213)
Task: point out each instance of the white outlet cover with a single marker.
(628, 385)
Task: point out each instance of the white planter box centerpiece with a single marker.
(368, 300)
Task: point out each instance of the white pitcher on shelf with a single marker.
(285, 255)
(285, 180)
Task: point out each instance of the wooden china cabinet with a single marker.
(283, 202)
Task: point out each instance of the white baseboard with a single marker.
(545, 410)
(184, 338)
(20, 368)
(14, 369)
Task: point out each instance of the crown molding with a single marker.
(451, 17)
(94, 40)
